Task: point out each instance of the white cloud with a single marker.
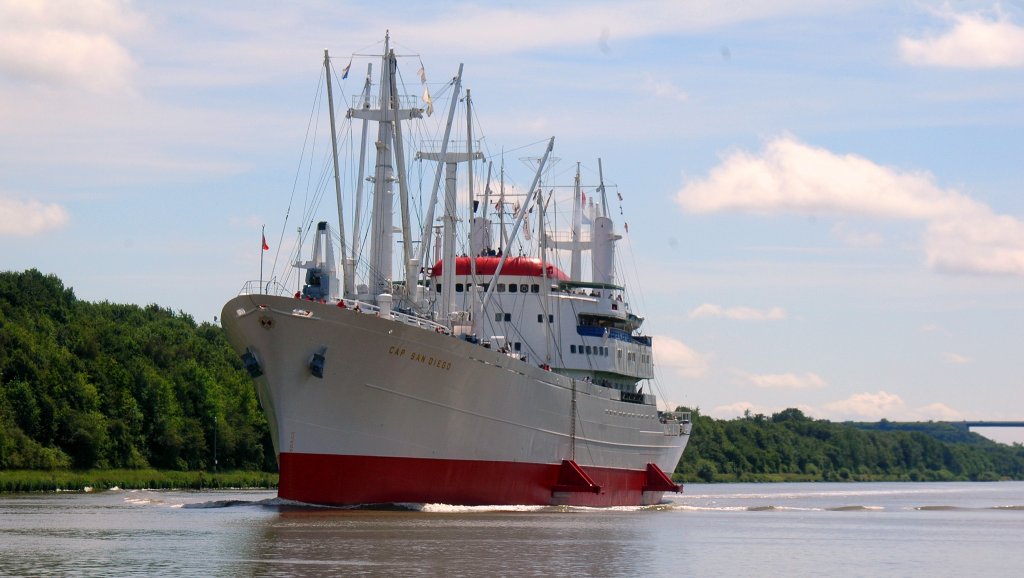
(879, 405)
(866, 406)
(859, 407)
(27, 218)
(935, 328)
(788, 176)
(679, 357)
(976, 242)
(737, 409)
(787, 381)
(937, 412)
(663, 89)
(974, 41)
(707, 310)
(955, 358)
(67, 43)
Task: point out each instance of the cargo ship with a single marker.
(490, 377)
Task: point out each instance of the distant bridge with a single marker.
(967, 425)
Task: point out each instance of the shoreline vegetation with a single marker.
(789, 446)
(23, 481)
(109, 395)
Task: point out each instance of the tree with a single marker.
(109, 385)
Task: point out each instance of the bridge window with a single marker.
(508, 317)
(438, 287)
(501, 288)
(512, 288)
(458, 288)
(524, 288)
(518, 346)
(497, 316)
(572, 349)
(588, 350)
(534, 288)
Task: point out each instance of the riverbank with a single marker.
(97, 480)
(843, 475)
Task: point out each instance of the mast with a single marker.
(450, 217)
(501, 203)
(474, 251)
(487, 190)
(383, 194)
(545, 286)
(364, 103)
(337, 177)
(411, 265)
(575, 270)
(387, 116)
(428, 222)
(523, 211)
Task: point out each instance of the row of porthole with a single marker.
(604, 352)
(590, 350)
(644, 358)
(501, 288)
(627, 414)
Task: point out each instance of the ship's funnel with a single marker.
(603, 237)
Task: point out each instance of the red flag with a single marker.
(266, 247)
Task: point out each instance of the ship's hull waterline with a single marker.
(408, 414)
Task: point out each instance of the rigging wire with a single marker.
(295, 182)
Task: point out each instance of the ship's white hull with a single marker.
(406, 414)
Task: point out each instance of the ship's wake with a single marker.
(677, 504)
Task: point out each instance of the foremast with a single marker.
(390, 158)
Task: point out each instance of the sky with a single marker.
(824, 198)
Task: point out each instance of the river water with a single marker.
(864, 529)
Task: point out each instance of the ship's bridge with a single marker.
(589, 325)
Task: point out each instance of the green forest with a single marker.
(102, 386)
(789, 446)
(99, 385)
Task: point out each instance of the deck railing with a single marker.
(271, 287)
(278, 290)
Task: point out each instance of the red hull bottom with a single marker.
(348, 480)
